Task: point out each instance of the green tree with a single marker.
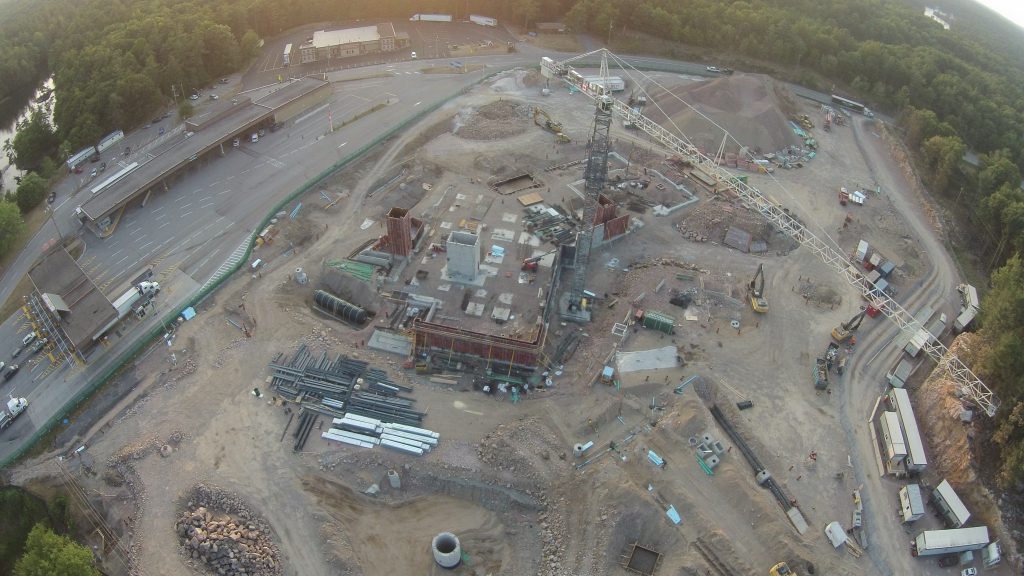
(31, 192)
(997, 170)
(527, 10)
(34, 141)
(47, 554)
(11, 225)
(942, 155)
(249, 44)
(185, 110)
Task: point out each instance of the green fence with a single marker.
(215, 283)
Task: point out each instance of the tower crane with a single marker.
(843, 332)
(756, 290)
(967, 382)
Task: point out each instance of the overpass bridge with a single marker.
(204, 133)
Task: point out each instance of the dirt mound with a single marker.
(954, 452)
(493, 121)
(751, 107)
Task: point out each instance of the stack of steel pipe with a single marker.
(333, 386)
(358, 430)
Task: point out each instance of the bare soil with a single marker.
(503, 477)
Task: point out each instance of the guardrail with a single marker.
(218, 279)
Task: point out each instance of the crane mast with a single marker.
(967, 382)
(594, 174)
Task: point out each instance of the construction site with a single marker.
(558, 329)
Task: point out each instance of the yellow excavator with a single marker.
(543, 119)
(781, 569)
(756, 291)
(844, 331)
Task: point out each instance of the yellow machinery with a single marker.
(543, 119)
(781, 569)
(844, 331)
(756, 291)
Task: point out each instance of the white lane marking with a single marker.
(116, 253)
(158, 209)
(162, 225)
(197, 190)
(229, 178)
(417, 104)
(189, 213)
(224, 192)
(205, 198)
(160, 216)
(134, 232)
(186, 205)
(218, 220)
(143, 247)
(121, 260)
(342, 144)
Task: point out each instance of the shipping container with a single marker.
(482, 20)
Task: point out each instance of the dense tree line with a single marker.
(952, 90)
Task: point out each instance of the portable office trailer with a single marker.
(916, 461)
(911, 503)
(949, 504)
(892, 439)
(936, 542)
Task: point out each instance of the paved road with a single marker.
(187, 232)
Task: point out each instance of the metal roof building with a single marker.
(348, 42)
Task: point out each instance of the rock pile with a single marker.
(233, 543)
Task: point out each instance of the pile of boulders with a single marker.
(229, 544)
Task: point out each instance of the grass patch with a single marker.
(15, 300)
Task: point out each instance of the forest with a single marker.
(953, 91)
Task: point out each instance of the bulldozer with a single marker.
(756, 291)
(844, 331)
(543, 119)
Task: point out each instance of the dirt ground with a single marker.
(503, 477)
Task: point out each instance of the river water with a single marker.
(7, 182)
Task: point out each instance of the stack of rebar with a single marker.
(333, 387)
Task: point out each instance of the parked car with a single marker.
(11, 371)
(712, 68)
(969, 572)
(103, 166)
(52, 197)
(194, 97)
(39, 345)
(28, 339)
(93, 173)
(223, 80)
(413, 55)
(213, 96)
(236, 142)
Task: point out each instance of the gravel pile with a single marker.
(494, 121)
(232, 541)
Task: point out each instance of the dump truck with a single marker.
(15, 406)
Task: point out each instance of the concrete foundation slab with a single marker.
(655, 359)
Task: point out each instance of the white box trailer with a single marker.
(109, 140)
(901, 373)
(938, 542)
(611, 83)
(482, 20)
(431, 18)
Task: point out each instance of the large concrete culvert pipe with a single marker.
(446, 549)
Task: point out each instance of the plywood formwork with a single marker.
(442, 338)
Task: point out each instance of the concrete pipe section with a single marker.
(447, 551)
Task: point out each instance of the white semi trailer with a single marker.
(937, 542)
(128, 300)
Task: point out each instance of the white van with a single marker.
(413, 55)
(254, 138)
